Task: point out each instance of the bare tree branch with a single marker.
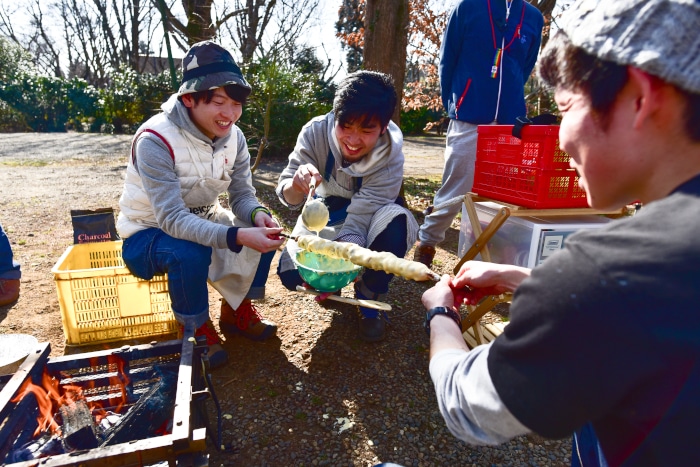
(45, 54)
(6, 26)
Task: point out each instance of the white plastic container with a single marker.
(524, 241)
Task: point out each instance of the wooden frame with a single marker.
(474, 332)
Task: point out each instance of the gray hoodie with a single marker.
(381, 172)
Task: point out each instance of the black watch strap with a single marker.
(441, 310)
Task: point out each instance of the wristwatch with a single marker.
(441, 310)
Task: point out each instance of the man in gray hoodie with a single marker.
(171, 220)
(354, 156)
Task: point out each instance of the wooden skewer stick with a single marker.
(353, 301)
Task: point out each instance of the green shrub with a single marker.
(50, 104)
(413, 121)
(31, 102)
(282, 101)
(12, 121)
(129, 100)
(14, 61)
(285, 96)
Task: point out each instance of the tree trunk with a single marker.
(546, 7)
(200, 26)
(135, 28)
(386, 39)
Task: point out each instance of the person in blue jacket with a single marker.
(488, 51)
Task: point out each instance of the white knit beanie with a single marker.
(661, 37)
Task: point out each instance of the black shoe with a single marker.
(372, 324)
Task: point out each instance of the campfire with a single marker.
(138, 405)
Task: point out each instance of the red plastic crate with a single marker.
(538, 148)
(532, 172)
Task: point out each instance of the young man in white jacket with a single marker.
(354, 154)
(171, 220)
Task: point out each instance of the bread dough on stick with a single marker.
(315, 214)
(377, 260)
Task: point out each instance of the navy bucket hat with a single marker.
(206, 66)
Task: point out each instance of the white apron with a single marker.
(231, 274)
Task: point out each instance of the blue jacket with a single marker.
(469, 93)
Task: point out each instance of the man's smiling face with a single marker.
(357, 140)
(215, 118)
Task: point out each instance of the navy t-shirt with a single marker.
(608, 331)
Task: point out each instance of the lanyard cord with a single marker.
(517, 29)
(498, 62)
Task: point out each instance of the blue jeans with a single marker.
(585, 448)
(152, 251)
(9, 268)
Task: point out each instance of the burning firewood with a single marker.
(78, 426)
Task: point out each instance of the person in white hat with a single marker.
(171, 221)
(604, 337)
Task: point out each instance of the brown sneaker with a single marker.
(424, 254)
(246, 321)
(9, 291)
(217, 355)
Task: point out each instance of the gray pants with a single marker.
(457, 180)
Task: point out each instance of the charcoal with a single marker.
(44, 446)
(110, 419)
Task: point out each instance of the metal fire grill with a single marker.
(95, 371)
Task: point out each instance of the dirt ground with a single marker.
(44, 176)
(288, 394)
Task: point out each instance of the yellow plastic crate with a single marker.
(101, 301)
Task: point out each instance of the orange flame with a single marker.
(45, 419)
(119, 381)
(52, 395)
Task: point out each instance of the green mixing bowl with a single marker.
(325, 273)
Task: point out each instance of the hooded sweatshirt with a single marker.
(380, 171)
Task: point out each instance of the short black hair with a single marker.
(234, 91)
(566, 66)
(365, 96)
